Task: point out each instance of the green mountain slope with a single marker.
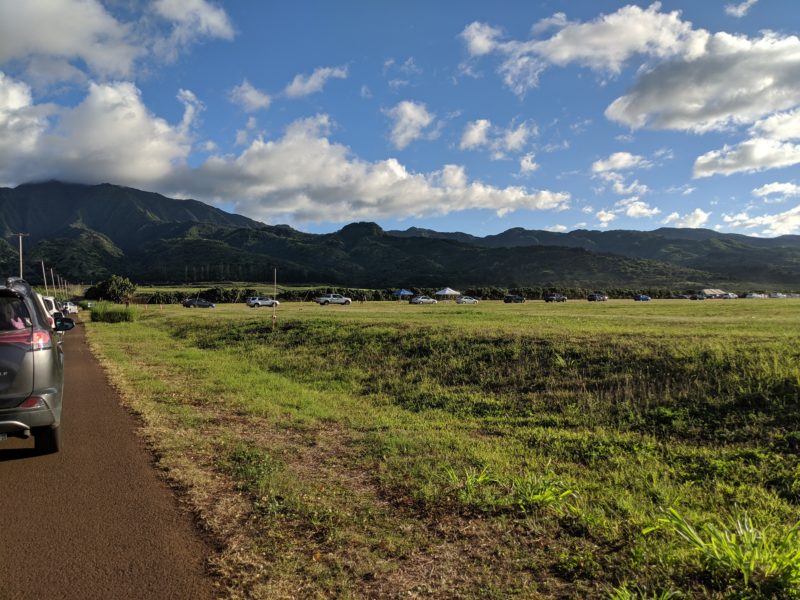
(89, 232)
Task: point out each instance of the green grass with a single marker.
(482, 451)
(106, 312)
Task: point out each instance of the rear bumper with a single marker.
(19, 421)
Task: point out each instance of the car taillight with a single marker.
(33, 402)
(41, 340)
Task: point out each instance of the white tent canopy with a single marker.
(447, 292)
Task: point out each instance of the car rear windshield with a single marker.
(13, 314)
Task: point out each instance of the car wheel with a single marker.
(347, 302)
(324, 303)
(47, 440)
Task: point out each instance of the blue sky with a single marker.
(470, 116)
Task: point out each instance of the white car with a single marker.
(70, 308)
(257, 301)
(422, 300)
(333, 299)
(466, 300)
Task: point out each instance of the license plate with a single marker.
(3, 436)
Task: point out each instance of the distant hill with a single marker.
(88, 232)
(730, 256)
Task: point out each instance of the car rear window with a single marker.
(13, 314)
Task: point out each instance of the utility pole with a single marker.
(44, 275)
(20, 236)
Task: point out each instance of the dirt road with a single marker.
(94, 520)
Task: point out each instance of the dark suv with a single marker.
(513, 299)
(31, 367)
(555, 298)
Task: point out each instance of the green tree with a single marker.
(115, 289)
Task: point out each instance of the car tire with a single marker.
(47, 440)
(324, 303)
(347, 302)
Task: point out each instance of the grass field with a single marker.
(609, 450)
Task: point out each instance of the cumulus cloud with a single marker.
(60, 33)
(476, 134)
(779, 224)
(482, 134)
(304, 176)
(605, 217)
(779, 126)
(411, 119)
(604, 44)
(249, 98)
(785, 190)
(739, 10)
(735, 81)
(109, 136)
(637, 209)
(750, 156)
(191, 20)
(620, 161)
(527, 164)
(303, 85)
(557, 228)
(696, 218)
(609, 171)
(480, 38)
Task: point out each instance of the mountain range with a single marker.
(87, 233)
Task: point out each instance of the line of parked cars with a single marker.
(31, 365)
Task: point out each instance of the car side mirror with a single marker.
(64, 323)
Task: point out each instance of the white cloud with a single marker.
(250, 98)
(696, 218)
(750, 156)
(557, 21)
(637, 209)
(604, 44)
(735, 81)
(787, 190)
(605, 217)
(481, 133)
(21, 124)
(303, 85)
(739, 10)
(480, 38)
(619, 186)
(410, 121)
(620, 161)
(191, 21)
(306, 177)
(365, 91)
(109, 136)
(527, 164)
(476, 134)
(608, 41)
(779, 224)
(779, 126)
(58, 33)
(557, 228)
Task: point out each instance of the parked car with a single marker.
(729, 296)
(333, 299)
(31, 368)
(697, 297)
(69, 308)
(198, 303)
(256, 301)
(466, 300)
(597, 297)
(641, 298)
(513, 299)
(555, 298)
(422, 300)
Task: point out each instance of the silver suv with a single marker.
(256, 301)
(31, 368)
